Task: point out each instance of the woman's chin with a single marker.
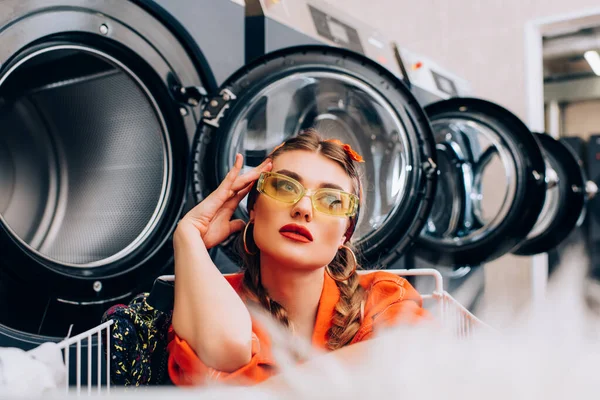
(287, 253)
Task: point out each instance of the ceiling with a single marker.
(563, 55)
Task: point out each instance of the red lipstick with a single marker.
(296, 232)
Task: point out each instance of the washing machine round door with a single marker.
(491, 184)
(345, 96)
(94, 155)
(564, 207)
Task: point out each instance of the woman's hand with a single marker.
(211, 217)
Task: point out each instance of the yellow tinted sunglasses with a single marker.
(326, 200)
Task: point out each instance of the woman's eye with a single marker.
(288, 187)
(335, 204)
(332, 201)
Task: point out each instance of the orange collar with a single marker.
(329, 298)
(330, 295)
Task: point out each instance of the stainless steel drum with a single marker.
(89, 166)
(491, 186)
(94, 155)
(345, 96)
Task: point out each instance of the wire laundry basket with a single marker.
(447, 308)
(75, 344)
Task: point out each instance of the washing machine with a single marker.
(565, 178)
(587, 234)
(100, 103)
(116, 123)
(479, 213)
(273, 26)
(280, 26)
(567, 197)
(432, 83)
(479, 168)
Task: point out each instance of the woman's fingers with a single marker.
(233, 173)
(234, 201)
(234, 182)
(236, 225)
(251, 175)
(232, 189)
(236, 196)
(215, 200)
(226, 211)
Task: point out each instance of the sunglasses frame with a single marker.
(306, 192)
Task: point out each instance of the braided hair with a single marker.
(347, 315)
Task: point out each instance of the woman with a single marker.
(303, 204)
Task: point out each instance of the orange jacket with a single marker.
(389, 299)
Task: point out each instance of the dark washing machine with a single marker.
(587, 234)
(104, 102)
(478, 214)
(491, 187)
(568, 192)
(567, 188)
(280, 25)
(336, 108)
(492, 170)
(568, 218)
(99, 103)
(280, 94)
(214, 26)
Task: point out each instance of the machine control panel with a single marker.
(329, 25)
(336, 30)
(427, 75)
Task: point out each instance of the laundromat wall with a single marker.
(484, 43)
(582, 119)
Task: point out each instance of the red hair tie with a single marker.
(351, 153)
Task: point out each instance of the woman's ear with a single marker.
(344, 239)
(252, 213)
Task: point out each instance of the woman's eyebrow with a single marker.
(297, 177)
(291, 174)
(331, 186)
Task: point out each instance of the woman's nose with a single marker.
(303, 209)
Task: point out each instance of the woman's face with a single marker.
(275, 221)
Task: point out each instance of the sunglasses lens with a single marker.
(334, 202)
(328, 201)
(281, 188)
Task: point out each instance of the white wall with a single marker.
(482, 41)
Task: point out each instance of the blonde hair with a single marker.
(347, 316)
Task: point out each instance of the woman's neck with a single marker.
(297, 290)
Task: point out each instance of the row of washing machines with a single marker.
(118, 116)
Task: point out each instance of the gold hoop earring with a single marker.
(353, 256)
(244, 240)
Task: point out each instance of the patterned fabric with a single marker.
(138, 343)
